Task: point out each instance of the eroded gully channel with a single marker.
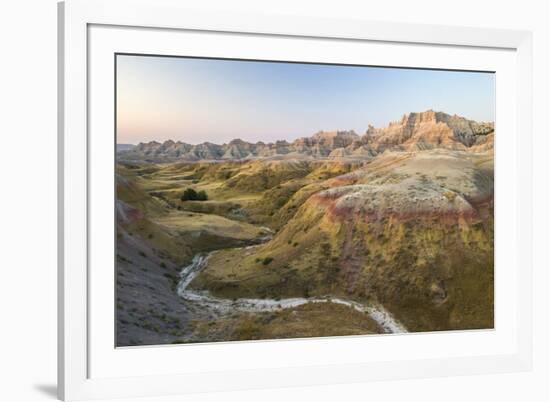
(203, 298)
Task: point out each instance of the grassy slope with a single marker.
(154, 240)
(154, 191)
(432, 273)
(252, 191)
(310, 320)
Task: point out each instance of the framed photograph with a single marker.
(254, 201)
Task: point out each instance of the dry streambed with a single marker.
(382, 317)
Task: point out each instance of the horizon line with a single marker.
(357, 132)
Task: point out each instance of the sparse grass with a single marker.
(310, 320)
(173, 278)
(123, 259)
(214, 224)
(384, 257)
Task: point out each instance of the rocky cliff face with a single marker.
(414, 131)
(428, 130)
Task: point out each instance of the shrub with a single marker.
(191, 195)
(202, 196)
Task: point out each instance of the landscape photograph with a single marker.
(261, 200)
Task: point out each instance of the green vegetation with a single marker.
(413, 232)
(192, 195)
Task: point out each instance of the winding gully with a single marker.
(189, 272)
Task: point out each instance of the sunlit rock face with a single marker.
(414, 131)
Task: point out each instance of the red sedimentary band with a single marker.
(366, 215)
(482, 201)
(134, 215)
(327, 200)
(344, 180)
(448, 217)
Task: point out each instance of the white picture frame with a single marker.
(146, 22)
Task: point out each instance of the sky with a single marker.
(197, 100)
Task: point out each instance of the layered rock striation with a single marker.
(414, 131)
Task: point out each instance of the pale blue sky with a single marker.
(197, 100)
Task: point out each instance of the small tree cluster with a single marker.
(192, 195)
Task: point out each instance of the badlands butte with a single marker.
(333, 234)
